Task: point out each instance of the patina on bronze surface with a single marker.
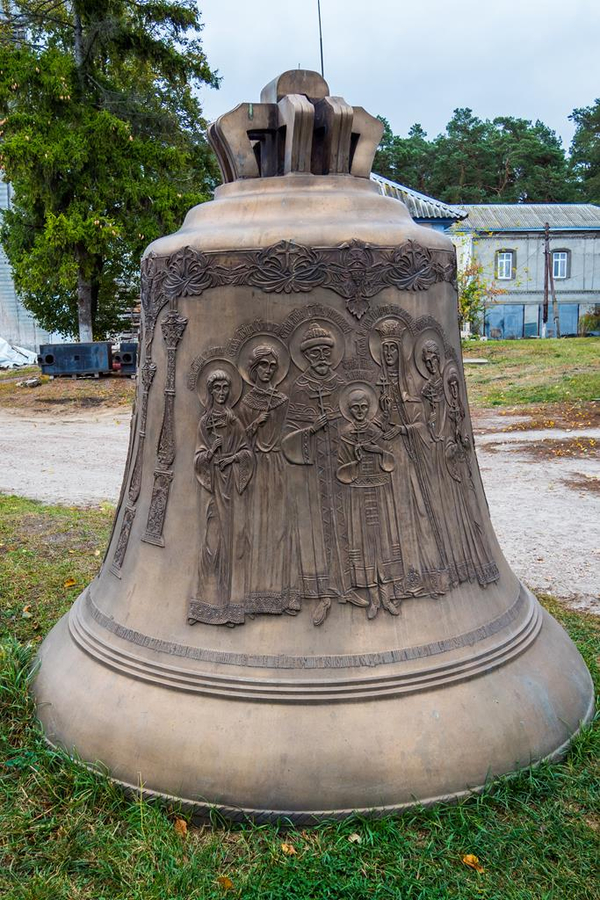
(303, 610)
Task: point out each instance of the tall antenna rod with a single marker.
(320, 37)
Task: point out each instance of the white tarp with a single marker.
(11, 357)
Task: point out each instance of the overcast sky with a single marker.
(414, 60)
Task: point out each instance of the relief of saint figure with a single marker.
(223, 462)
(317, 487)
(458, 453)
(426, 570)
(311, 444)
(271, 570)
(365, 464)
(458, 515)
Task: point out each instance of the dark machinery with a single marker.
(94, 358)
(125, 358)
(76, 359)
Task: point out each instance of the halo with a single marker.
(429, 334)
(211, 366)
(337, 351)
(263, 340)
(354, 386)
(450, 370)
(375, 337)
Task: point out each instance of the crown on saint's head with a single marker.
(390, 329)
(317, 336)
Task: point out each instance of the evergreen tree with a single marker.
(407, 160)
(463, 160)
(585, 150)
(104, 144)
(506, 160)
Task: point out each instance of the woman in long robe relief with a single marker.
(271, 579)
(223, 463)
(457, 452)
(426, 570)
(467, 556)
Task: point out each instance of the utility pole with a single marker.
(549, 281)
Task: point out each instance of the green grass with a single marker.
(533, 371)
(68, 834)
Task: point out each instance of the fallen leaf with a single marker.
(355, 838)
(96, 553)
(225, 882)
(69, 582)
(472, 861)
(289, 849)
(180, 826)
(26, 613)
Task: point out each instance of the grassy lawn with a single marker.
(533, 371)
(66, 834)
(518, 372)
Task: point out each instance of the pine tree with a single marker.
(505, 160)
(104, 144)
(585, 150)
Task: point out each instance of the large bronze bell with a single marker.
(304, 610)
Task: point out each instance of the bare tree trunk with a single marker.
(78, 41)
(84, 307)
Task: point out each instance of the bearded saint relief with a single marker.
(311, 445)
(271, 571)
(223, 462)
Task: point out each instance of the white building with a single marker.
(507, 241)
(17, 325)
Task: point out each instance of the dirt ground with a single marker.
(544, 503)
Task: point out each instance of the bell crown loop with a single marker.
(297, 127)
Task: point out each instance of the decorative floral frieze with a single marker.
(355, 270)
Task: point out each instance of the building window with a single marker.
(560, 264)
(505, 264)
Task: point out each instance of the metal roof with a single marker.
(531, 216)
(420, 206)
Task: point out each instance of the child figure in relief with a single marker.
(365, 464)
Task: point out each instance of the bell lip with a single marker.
(203, 810)
(88, 738)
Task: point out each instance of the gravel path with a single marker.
(549, 531)
(77, 460)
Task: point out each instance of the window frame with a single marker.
(501, 255)
(567, 262)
